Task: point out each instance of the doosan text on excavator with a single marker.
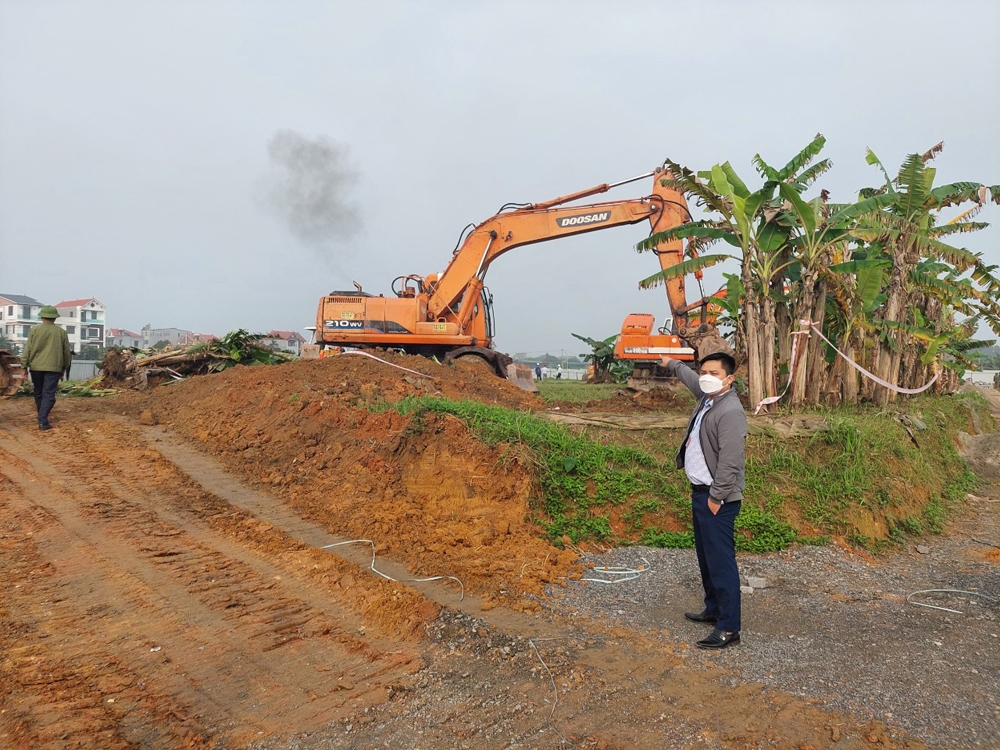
(450, 314)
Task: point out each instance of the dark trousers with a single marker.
(715, 543)
(45, 393)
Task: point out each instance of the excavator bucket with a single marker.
(12, 375)
(521, 376)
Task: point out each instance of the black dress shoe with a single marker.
(45, 426)
(701, 617)
(718, 639)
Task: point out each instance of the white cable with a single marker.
(390, 578)
(554, 688)
(398, 367)
(546, 666)
(947, 591)
(633, 573)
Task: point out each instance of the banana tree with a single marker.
(906, 229)
(857, 282)
(817, 231)
(601, 356)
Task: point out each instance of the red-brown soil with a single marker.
(165, 584)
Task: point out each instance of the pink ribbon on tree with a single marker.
(808, 326)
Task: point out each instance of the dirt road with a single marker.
(152, 599)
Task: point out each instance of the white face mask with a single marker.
(710, 384)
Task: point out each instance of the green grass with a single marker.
(575, 391)
(801, 490)
(866, 460)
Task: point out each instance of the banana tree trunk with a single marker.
(834, 394)
(909, 368)
(816, 379)
(767, 340)
(750, 320)
(887, 361)
(866, 352)
(784, 330)
(798, 369)
(850, 376)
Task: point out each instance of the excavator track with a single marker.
(12, 374)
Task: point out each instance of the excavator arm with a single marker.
(455, 292)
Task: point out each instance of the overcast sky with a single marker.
(135, 163)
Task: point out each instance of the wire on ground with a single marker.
(630, 574)
(990, 599)
(398, 367)
(376, 571)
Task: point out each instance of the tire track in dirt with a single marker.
(131, 579)
(56, 695)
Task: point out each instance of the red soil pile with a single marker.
(424, 489)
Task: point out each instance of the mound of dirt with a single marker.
(424, 489)
(667, 399)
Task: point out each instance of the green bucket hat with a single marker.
(49, 312)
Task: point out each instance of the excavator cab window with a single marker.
(487, 302)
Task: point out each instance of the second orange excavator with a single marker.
(450, 315)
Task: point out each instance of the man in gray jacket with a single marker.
(712, 455)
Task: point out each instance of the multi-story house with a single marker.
(18, 314)
(173, 336)
(284, 341)
(84, 321)
(123, 339)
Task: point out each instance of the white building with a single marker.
(173, 336)
(284, 341)
(18, 314)
(84, 322)
(123, 339)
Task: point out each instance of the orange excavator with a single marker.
(684, 337)
(450, 314)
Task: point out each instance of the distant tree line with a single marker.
(987, 359)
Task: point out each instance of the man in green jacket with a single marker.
(47, 356)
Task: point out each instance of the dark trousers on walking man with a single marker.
(45, 384)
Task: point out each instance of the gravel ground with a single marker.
(835, 627)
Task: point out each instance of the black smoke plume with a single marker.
(309, 185)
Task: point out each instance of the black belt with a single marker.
(700, 487)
